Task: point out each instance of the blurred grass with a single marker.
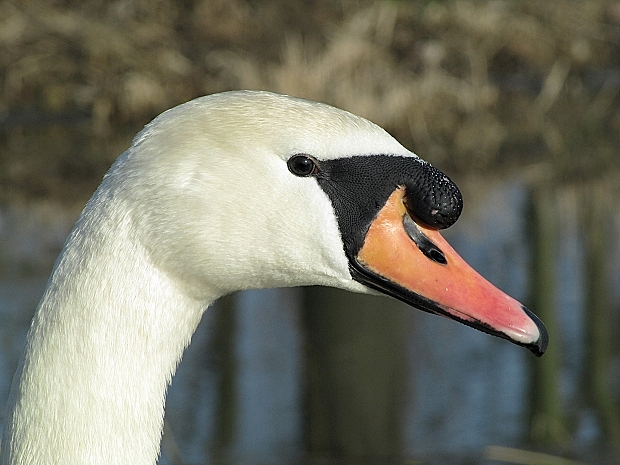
(525, 457)
(469, 85)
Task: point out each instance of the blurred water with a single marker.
(467, 389)
(470, 390)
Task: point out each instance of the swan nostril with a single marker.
(436, 255)
(426, 246)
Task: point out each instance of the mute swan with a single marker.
(231, 191)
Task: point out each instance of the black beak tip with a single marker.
(539, 347)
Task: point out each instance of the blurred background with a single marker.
(517, 101)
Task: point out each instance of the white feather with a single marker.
(202, 204)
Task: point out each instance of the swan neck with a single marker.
(104, 344)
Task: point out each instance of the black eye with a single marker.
(302, 165)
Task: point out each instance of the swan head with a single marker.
(244, 190)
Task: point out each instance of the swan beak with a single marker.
(416, 264)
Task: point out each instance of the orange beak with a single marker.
(415, 264)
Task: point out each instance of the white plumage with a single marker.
(200, 205)
(206, 202)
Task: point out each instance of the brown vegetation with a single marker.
(468, 85)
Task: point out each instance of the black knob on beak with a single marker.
(432, 198)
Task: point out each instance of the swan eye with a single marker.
(302, 165)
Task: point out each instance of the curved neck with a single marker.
(104, 343)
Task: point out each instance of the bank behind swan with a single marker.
(238, 190)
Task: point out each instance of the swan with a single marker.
(237, 190)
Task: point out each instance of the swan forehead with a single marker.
(280, 124)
